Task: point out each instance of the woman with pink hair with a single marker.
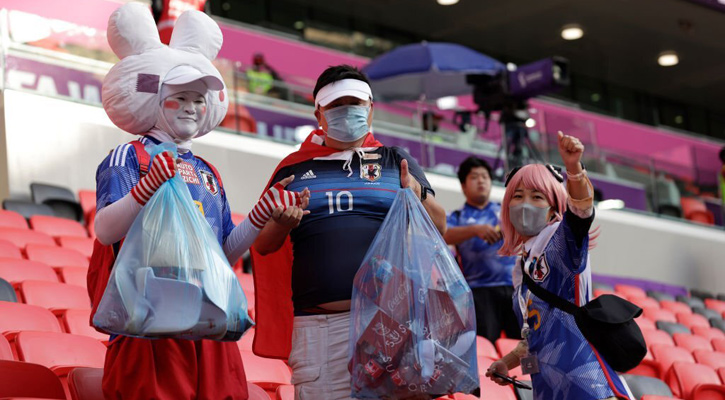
(547, 226)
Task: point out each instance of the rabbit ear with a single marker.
(196, 32)
(131, 30)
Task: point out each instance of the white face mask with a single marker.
(527, 219)
(182, 114)
(347, 123)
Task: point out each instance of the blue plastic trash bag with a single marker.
(171, 277)
(413, 324)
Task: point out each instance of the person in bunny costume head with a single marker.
(170, 94)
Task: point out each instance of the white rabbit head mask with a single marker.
(132, 88)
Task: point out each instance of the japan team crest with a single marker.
(371, 172)
(541, 269)
(209, 182)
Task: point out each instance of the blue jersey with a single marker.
(345, 214)
(570, 368)
(480, 262)
(119, 172)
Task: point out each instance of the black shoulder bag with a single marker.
(607, 322)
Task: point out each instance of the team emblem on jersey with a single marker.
(541, 270)
(209, 182)
(371, 172)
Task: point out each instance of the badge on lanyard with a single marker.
(529, 364)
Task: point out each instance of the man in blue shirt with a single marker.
(474, 230)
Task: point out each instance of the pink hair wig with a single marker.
(533, 177)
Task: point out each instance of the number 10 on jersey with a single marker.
(336, 202)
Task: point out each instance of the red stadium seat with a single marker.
(9, 250)
(652, 337)
(55, 256)
(85, 383)
(73, 275)
(81, 245)
(21, 237)
(718, 345)
(6, 352)
(11, 219)
(691, 320)
(245, 343)
(285, 392)
(708, 392)
(489, 390)
(14, 271)
(721, 374)
(504, 346)
(644, 302)
(485, 348)
(691, 342)
(713, 359)
(708, 333)
(686, 377)
(16, 317)
(647, 367)
(87, 200)
(265, 372)
(675, 306)
(714, 304)
(60, 351)
(54, 295)
(656, 314)
(484, 362)
(629, 291)
(667, 355)
(645, 323)
(77, 322)
(256, 392)
(26, 380)
(56, 226)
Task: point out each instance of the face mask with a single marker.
(347, 123)
(528, 220)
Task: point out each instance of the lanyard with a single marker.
(524, 302)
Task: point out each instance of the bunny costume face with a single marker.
(135, 89)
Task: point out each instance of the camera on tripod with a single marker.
(494, 93)
(508, 92)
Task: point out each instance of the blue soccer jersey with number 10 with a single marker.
(346, 212)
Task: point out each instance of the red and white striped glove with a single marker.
(275, 197)
(163, 168)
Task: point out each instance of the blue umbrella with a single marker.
(429, 70)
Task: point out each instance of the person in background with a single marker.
(475, 232)
(261, 77)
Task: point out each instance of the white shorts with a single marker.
(319, 357)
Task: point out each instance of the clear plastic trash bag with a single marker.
(413, 324)
(171, 277)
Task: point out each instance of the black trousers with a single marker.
(494, 312)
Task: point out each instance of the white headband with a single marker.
(345, 87)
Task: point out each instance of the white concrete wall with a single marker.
(60, 142)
